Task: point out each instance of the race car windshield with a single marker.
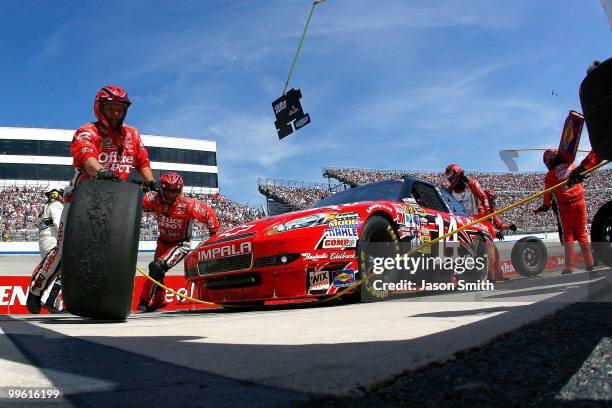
(383, 190)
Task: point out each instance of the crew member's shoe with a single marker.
(159, 301)
(566, 272)
(143, 306)
(589, 268)
(33, 303)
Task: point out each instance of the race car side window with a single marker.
(427, 196)
(454, 205)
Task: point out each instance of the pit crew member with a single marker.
(572, 209)
(48, 225)
(477, 203)
(105, 149)
(175, 214)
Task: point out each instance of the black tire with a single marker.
(477, 274)
(376, 230)
(529, 256)
(596, 101)
(601, 234)
(100, 249)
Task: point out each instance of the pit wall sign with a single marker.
(14, 292)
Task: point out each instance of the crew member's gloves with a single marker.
(499, 235)
(152, 185)
(512, 227)
(542, 208)
(106, 174)
(575, 177)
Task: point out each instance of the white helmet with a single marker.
(54, 187)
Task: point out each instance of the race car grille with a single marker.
(231, 263)
(242, 280)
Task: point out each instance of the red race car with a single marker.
(312, 254)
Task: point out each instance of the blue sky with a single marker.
(388, 84)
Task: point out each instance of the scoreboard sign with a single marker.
(288, 109)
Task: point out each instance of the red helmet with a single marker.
(453, 174)
(110, 94)
(549, 156)
(172, 182)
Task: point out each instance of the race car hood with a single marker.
(304, 218)
(263, 225)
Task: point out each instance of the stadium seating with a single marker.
(20, 207)
(510, 187)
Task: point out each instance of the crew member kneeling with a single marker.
(175, 214)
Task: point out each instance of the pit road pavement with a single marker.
(269, 357)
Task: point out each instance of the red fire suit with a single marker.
(572, 212)
(475, 200)
(175, 224)
(119, 152)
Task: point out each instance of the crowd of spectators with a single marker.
(510, 187)
(20, 206)
(500, 182)
(296, 197)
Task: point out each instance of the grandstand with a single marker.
(284, 195)
(31, 159)
(31, 156)
(510, 187)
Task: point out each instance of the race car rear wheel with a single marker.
(376, 230)
(529, 256)
(100, 249)
(601, 234)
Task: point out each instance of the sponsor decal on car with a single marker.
(378, 206)
(225, 251)
(309, 256)
(338, 243)
(337, 256)
(341, 232)
(319, 280)
(344, 278)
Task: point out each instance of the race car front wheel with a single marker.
(377, 240)
(100, 249)
(480, 270)
(601, 234)
(529, 256)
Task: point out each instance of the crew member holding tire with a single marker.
(590, 161)
(572, 209)
(48, 225)
(105, 149)
(175, 214)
